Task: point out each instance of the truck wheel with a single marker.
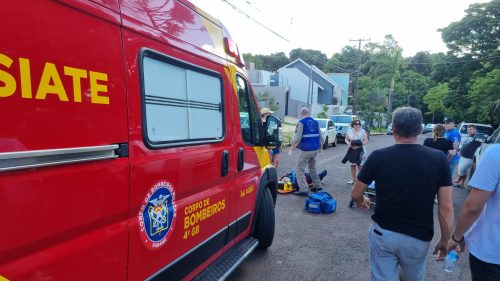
(264, 229)
(334, 143)
(325, 145)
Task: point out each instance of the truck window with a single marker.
(182, 104)
(250, 121)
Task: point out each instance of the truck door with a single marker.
(252, 156)
(180, 146)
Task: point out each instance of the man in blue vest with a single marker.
(308, 140)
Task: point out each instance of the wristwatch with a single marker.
(457, 241)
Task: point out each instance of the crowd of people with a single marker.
(410, 178)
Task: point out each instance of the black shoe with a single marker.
(301, 193)
(316, 189)
(351, 203)
(322, 174)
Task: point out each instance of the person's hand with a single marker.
(441, 249)
(366, 204)
(452, 245)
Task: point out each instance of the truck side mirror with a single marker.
(273, 135)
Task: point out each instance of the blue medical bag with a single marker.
(320, 202)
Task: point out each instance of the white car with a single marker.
(487, 141)
(480, 129)
(328, 132)
(342, 123)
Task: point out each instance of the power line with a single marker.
(454, 62)
(254, 20)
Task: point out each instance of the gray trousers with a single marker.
(307, 158)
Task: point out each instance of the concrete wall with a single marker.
(298, 84)
(342, 79)
(260, 77)
(279, 95)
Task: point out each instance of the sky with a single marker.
(330, 25)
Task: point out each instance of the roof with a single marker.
(314, 69)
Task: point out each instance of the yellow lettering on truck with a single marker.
(51, 82)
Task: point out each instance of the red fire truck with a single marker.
(131, 145)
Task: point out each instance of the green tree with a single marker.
(434, 98)
(388, 59)
(312, 57)
(420, 63)
(257, 59)
(324, 113)
(276, 61)
(476, 34)
(484, 97)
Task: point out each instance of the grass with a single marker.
(381, 130)
(287, 139)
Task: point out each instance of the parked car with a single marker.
(429, 127)
(389, 129)
(480, 128)
(487, 141)
(343, 123)
(328, 132)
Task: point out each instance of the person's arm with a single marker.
(451, 150)
(472, 208)
(451, 153)
(358, 190)
(347, 138)
(298, 136)
(446, 217)
(456, 140)
(365, 138)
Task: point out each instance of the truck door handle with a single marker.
(241, 158)
(225, 163)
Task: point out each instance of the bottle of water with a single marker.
(293, 178)
(451, 261)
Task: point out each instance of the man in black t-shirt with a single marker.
(467, 151)
(407, 177)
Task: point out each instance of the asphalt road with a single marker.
(330, 246)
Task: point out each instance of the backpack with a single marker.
(320, 202)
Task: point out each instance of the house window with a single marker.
(181, 103)
(321, 96)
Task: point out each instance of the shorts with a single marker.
(463, 166)
(393, 254)
(275, 151)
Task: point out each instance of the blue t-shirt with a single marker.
(483, 238)
(455, 137)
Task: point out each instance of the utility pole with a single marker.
(358, 63)
(309, 88)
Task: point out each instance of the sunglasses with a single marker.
(357, 124)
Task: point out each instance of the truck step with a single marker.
(221, 268)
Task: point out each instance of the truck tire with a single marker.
(264, 228)
(325, 145)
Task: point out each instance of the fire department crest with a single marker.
(157, 215)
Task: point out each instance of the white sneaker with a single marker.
(350, 182)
